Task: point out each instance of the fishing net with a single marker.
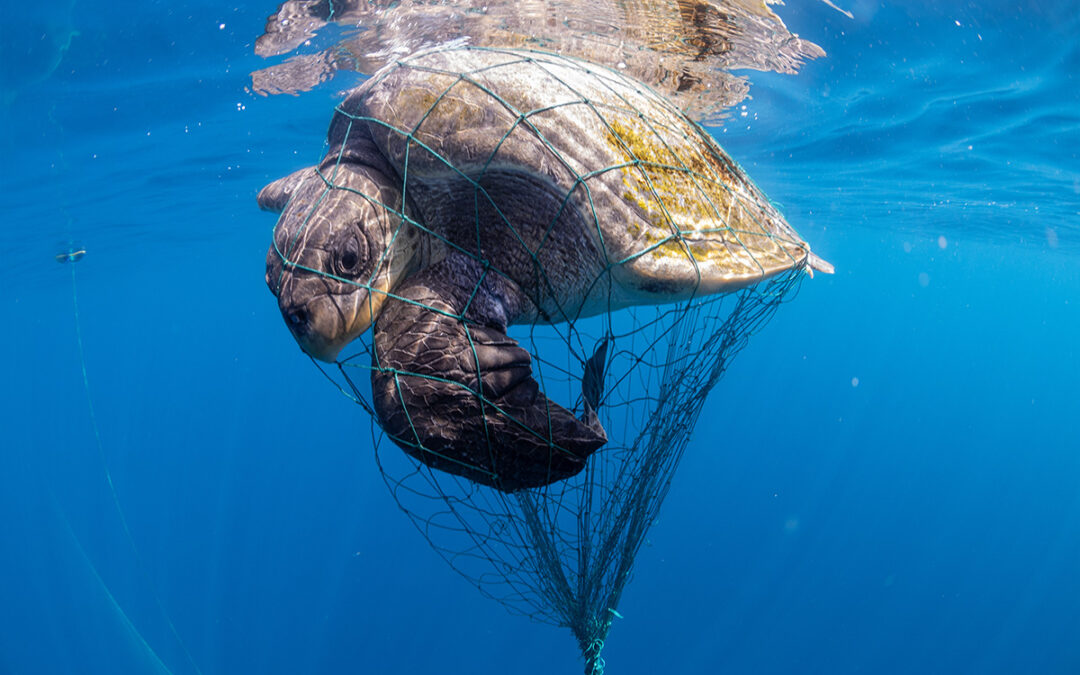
(559, 549)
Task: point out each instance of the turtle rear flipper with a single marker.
(460, 396)
(592, 383)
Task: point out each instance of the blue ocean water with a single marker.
(886, 481)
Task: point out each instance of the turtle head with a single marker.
(340, 245)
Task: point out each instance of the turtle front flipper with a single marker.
(454, 391)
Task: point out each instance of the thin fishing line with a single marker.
(109, 479)
(104, 586)
(72, 257)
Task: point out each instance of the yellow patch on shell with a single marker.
(694, 206)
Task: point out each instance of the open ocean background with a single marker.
(886, 481)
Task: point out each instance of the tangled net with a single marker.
(561, 553)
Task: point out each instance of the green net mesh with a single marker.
(541, 499)
(563, 554)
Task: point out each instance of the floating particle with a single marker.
(73, 254)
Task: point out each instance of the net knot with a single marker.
(594, 663)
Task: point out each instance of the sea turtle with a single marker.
(468, 189)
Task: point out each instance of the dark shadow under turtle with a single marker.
(466, 190)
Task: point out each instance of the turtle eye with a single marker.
(351, 257)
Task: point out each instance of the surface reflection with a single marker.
(683, 48)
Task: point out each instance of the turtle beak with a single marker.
(324, 323)
(321, 351)
(316, 318)
(314, 329)
(299, 322)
